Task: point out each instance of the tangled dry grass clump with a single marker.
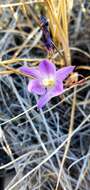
(49, 148)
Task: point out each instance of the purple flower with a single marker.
(47, 81)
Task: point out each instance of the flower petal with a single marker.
(47, 68)
(43, 100)
(55, 91)
(62, 73)
(36, 87)
(30, 71)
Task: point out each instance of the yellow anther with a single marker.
(48, 82)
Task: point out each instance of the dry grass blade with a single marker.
(60, 32)
(20, 3)
(69, 137)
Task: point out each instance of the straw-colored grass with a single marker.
(47, 149)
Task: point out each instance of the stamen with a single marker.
(48, 82)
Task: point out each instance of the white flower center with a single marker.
(48, 82)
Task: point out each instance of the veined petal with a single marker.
(62, 73)
(47, 68)
(55, 91)
(33, 72)
(36, 87)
